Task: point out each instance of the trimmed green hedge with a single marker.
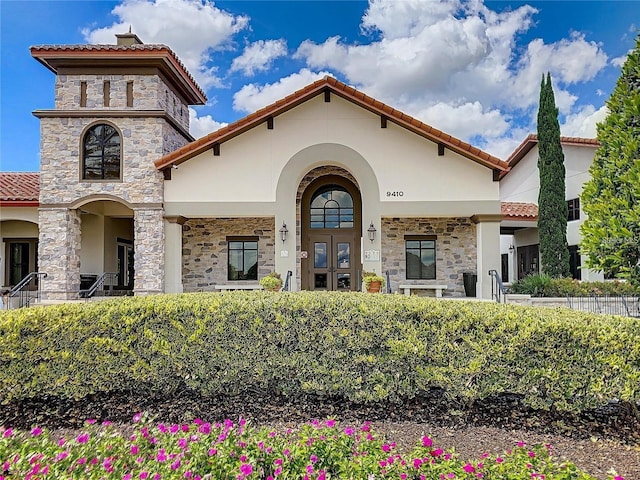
(356, 346)
(541, 285)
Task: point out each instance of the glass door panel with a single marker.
(332, 267)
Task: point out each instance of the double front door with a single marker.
(331, 261)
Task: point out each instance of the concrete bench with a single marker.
(436, 288)
(231, 286)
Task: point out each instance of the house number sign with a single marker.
(395, 193)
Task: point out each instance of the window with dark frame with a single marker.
(573, 206)
(332, 207)
(101, 153)
(242, 256)
(420, 253)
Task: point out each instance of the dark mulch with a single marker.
(617, 420)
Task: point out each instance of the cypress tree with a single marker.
(611, 198)
(552, 205)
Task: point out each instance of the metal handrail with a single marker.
(89, 292)
(20, 290)
(497, 287)
(286, 286)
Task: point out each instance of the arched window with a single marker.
(332, 207)
(101, 153)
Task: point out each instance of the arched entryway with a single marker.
(331, 234)
(107, 234)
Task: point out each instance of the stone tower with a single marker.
(117, 109)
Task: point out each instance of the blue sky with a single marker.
(470, 68)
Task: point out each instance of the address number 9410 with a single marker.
(397, 193)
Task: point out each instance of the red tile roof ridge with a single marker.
(299, 96)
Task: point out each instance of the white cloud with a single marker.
(583, 123)
(201, 126)
(465, 121)
(461, 67)
(166, 21)
(259, 56)
(619, 61)
(253, 97)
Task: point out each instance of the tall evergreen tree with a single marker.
(611, 198)
(552, 205)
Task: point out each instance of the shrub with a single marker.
(318, 451)
(272, 281)
(541, 285)
(354, 346)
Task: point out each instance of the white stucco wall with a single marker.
(250, 165)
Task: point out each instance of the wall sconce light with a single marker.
(372, 232)
(511, 248)
(283, 232)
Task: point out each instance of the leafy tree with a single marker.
(552, 206)
(611, 199)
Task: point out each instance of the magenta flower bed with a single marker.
(320, 450)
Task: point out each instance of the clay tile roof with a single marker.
(532, 140)
(519, 211)
(19, 188)
(46, 54)
(349, 93)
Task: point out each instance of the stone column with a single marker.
(59, 253)
(488, 241)
(173, 254)
(148, 247)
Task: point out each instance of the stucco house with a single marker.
(519, 190)
(325, 183)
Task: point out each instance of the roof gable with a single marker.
(532, 140)
(19, 189)
(329, 85)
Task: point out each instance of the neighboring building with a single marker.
(519, 189)
(324, 183)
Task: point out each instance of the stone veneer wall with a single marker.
(304, 183)
(456, 250)
(59, 252)
(204, 249)
(148, 228)
(149, 93)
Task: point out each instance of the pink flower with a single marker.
(427, 442)
(212, 452)
(310, 469)
(163, 428)
(91, 421)
(499, 460)
(8, 432)
(128, 476)
(521, 444)
(175, 428)
(277, 471)
(182, 443)
(313, 459)
(330, 423)
(36, 431)
(403, 476)
(386, 448)
(136, 418)
(322, 475)
(205, 428)
(349, 431)
(175, 465)
(61, 456)
(278, 461)
(161, 456)
(469, 468)
(134, 449)
(531, 454)
(436, 453)
(246, 469)
(417, 462)
(83, 438)
(618, 477)
(61, 442)
(382, 463)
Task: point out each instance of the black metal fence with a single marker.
(626, 305)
